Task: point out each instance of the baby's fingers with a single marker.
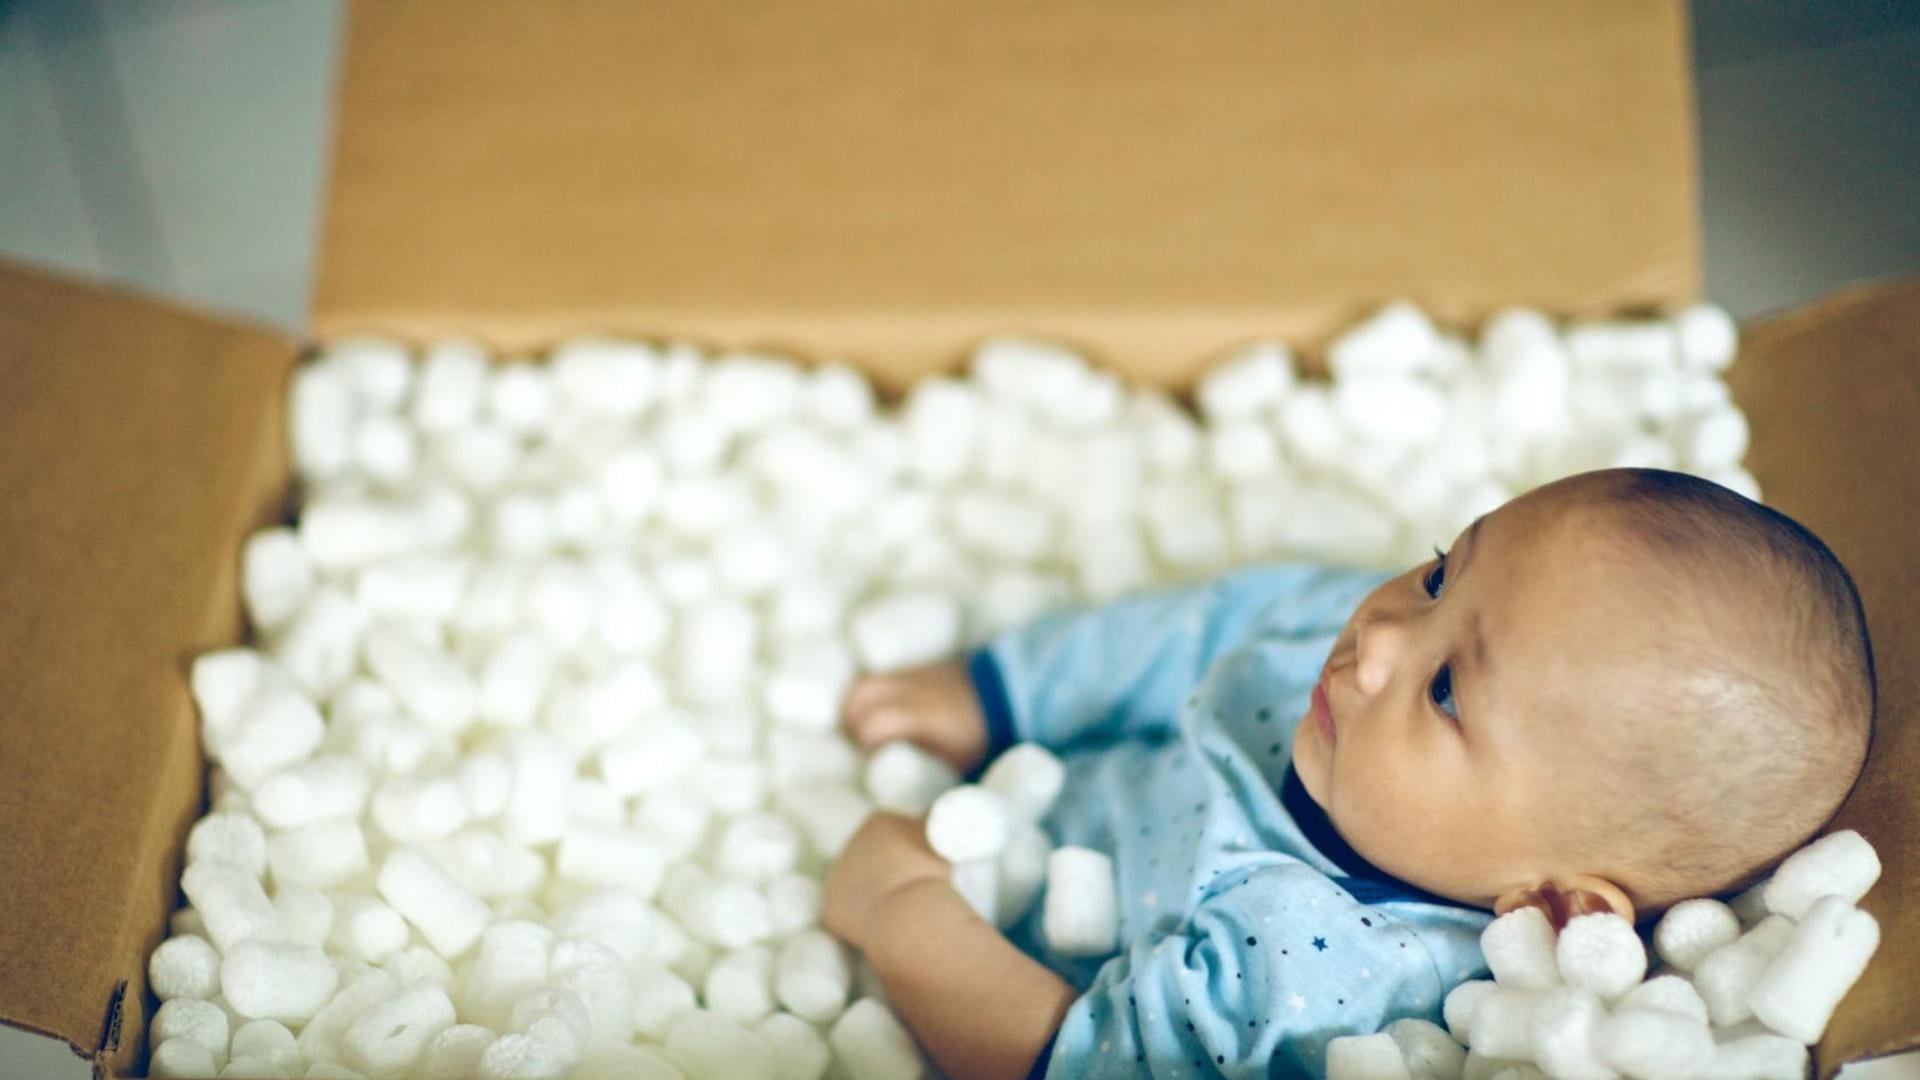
(880, 724)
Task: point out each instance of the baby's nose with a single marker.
(1378, 646)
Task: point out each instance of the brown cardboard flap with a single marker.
(138, 445)
(891, 182)
(1833, 395)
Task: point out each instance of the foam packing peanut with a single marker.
(740, 985)
(184, 1058)
(289, 983)
(1601, 953)
(707, 1046)
(968, 823)
(1081, 912)
(801, 1052)
(1839, 864)
(1756, 1057)
(870, 1043)
(1365, 1057)
(1502, 1024)
(1727, 974)
(1651, 1044)
(445, 913)
(1801, 986)
(1565, 1030)
(1520, 949)
(1693, 928)
(185, 966)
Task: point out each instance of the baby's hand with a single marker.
(933, 707)
(887, 853)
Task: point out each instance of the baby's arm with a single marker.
(978, 1005)
(1123, 668)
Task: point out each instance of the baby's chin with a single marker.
(1309, 761)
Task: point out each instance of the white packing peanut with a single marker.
(1365, 1057)
(708, 1046)
(1081, 915)
(325, 854)
(182, 1058)
(800, 1052)
(1565, 1026)
(1756, 1057)
(275, 577)
(321, 788)
(202, 1023)
(870, 1043)
(1801, 986)
(432, 686)
(793, 903)
(739, 985)
(809, 678)
(1429, 1052)
(826, 813)
(659, 997)
(232, 837)
(1601, 953)
(603, 982)
(1693, 928)
(1028, 778)
(968, 822)
(186, 967)
(1670, 992)
(389, 1038)
(905, 629)
(906, 779)
(445, 913)
(978, 883)
(1725, 976)
(1839, 864)
(1519, 949)
(513, 960)
(596, 855)
(1651, 1044)
(289, 983)
(232, 904)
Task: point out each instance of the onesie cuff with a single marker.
(1039, 1070)
(995, 707)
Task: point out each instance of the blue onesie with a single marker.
(1250, 934)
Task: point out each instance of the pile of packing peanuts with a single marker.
(532, 768)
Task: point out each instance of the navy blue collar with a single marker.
(1368, 883)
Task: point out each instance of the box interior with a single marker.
(886, 183)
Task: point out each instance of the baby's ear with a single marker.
(1582, 894)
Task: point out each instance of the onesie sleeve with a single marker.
(1255, 983)
(1126, 667)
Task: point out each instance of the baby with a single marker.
(1618, 691)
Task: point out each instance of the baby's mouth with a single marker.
(1323, 709)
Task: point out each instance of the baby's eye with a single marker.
(1441, 691)
(1436, 576)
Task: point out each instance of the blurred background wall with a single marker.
(179, 144)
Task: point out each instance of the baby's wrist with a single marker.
(909, 911)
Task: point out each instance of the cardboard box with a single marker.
(887, 184)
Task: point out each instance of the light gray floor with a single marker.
(180, 146)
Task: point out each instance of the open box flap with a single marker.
(889, 182)
(1833, 395)
(138, 446)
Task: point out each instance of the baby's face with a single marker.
(1464, 691)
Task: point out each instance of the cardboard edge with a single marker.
(257, 482)
(1779, 332)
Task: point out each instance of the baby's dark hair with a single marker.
(1775, 715)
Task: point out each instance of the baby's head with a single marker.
(1629, 686)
